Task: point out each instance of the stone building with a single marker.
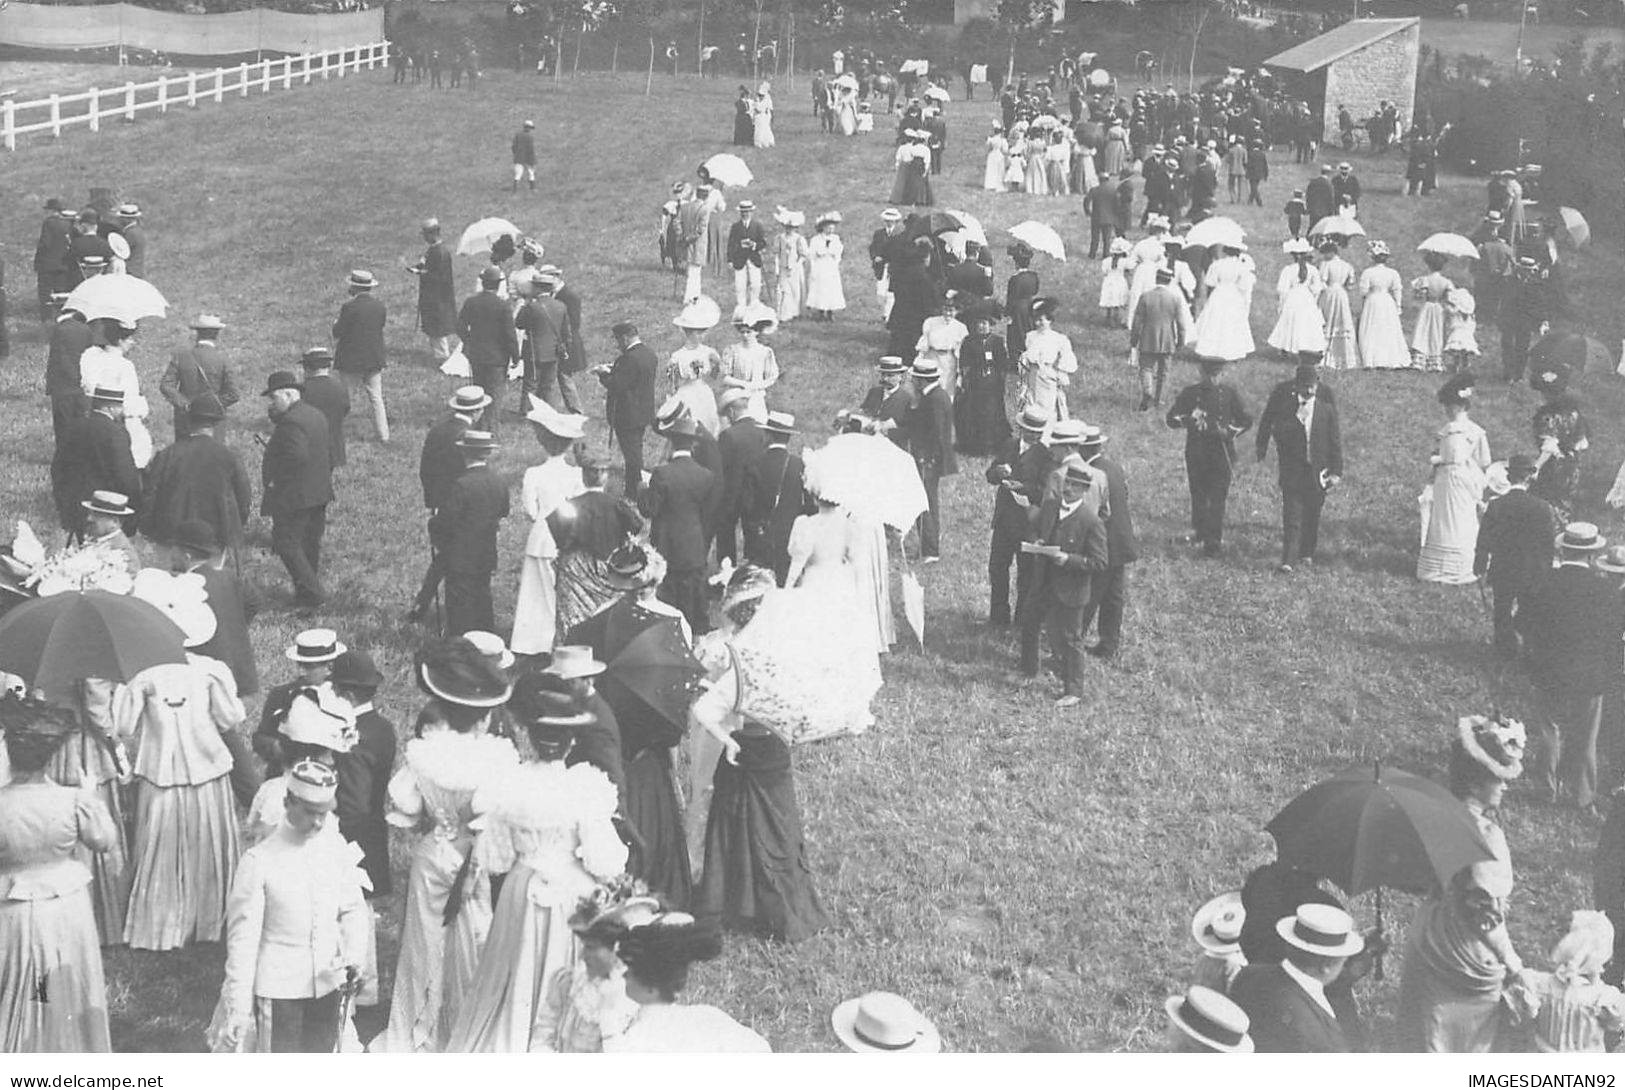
(1358, 65)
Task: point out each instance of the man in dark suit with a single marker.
(312, 653)
(629, 400)
(468, 521)
(322, 391)
(94, 456)
(1319, 196)
(1018, 473)
(677, 504)
(574, 360)
(747, 245)
(542, 320)
(1101, 204)
(884, 247)
(524, 156)
(1286, 1003)
(200, 368)
(741, 445)
(70, 336)
(128, 217)
(490, 341)
(1346, 190)
(890, 401)
(200, 551)
(296, 485)
(1514, 550)
(1212, 416)
(51, 255)
(358, 349)
(1571, 628)
(1071, 550)
(197, 477)
(937, 126)
(438, 469)
(88, 252)
(1109, 589)
(437, 293)
(1310, 449)
(930, 431)
(364, 771)
(773, 497)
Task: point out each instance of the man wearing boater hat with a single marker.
(197, 476)
(199, 368)
(930, 431)
(1287, 1002)
(468, 522)
(890, 400)
(358, 345)
(678, 505)
(772, 497)
(438, 469)
(747, 245)
(296, 485)
(312, 653)
(1068, 541)
(296, 928)
(1018, 473)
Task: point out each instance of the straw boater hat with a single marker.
(563, 425)
(107, 393)
(316, 358)
(1612, 560)
(491, 646)
(362, 279)
(891, 215)
(832, 216)
(314, 784)
(1581, 537)
(884, 1022)
(475, 440)
(103, 502)
(673, 418)
(892, 365)
(1324, 930)
(1216, 927)
(469, 399)
(129, 211)
(315, 645)
(925, 367)
(1033, 419)
(1495, 743)
(781, 424)
(208, 323)
(1211, 1020)
(573, 661)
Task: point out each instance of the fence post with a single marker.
(372, 56)
(306, 59)
(343, 61)
(242, 72)
(287, 72)
(191, 89)
(56, 115)
(95, 115)
(8, 123)
(129, 101)
(219, 83)
(163, 95)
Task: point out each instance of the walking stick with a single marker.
(347, 992)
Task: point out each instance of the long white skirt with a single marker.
(535, 612)
(1223, 331)
(1301, 327)
(1382, 340)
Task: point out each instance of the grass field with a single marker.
(1024, 876)
(1499, 40)
(27, 80)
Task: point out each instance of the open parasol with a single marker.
(1573, 350)
(53, 643)
(1338, 226)
(729, 169)
(970, 227)
(1100, 78)
(651, 674)
(847, 80)
(481, 235)
(1574, 225)
(1216, 231)
(873, 478)
(1449, 244)
(939, 220)
(936, 94)
(1041, 237)
(117, 295)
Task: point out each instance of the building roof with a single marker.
(1337, 43)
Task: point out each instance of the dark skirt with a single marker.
(651, 808)
(980, 426)
(744, 128)
(756, 876)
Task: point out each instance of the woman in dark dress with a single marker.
(756, 877)
(1019, 294)
(980, 426)
(1562, 436)
(744, 123)
(588, 528)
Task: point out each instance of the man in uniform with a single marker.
(296, 926)
(437, 293)
(128, 217)
(490, 340)
(930, 431)
(890, 401)
(1018, 473)
(70, 336)
(92, 456)
(296, 485)
(524, 156)
(747, 245)
(438, 469)
(323, 391)
(677, 504)
(629, 400)
(358, 346)
(197, 477)
(1108, 597)
(1310, 448)
(468, 522)
(200, 368)
(772, 497)
(1212, 416)
(741, 445)
(51, 255)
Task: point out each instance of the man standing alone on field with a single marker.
(437, 294)
(358, 345)
(524, 156)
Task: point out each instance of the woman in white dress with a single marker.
(1144, 258)
(444, 768)
(1300, 328)
(549, 829)
(993, 171)
(825, 294)
(846, 110)
(761, 113)
(1337, 276)
(105, 364)
(1224, 328)
(657, 957)
(1450, 506)
(789, 265)
(940, 338)
(748, 364)
(1047, 364)
(1382, 338)
(546, 486)
(692, 365)
(1427, 336)
(825, 549)
(1037, 174)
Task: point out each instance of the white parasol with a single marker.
(116, 295)
(1449, 244)
(1100, 78)
(1337, 225)
(1575, 225)
(481, 235)
(970, 227)
(870, 476)
(1215, 231)
(1041, 237)
(936, 94)
(729, 169)
(847, 80)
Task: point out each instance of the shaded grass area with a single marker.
(1499, 40)
(1024, 876)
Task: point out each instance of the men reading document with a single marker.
(1068, 545)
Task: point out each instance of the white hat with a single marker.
(891, 215)
(884, 1022)
(702, 313)
(316, 645)
(183, 600)
(1296, 246)
(574, 661)
(1210, 1019)
(491, 646)
(313, 782)
(1216, 927)
(1324, 930)
(319, 717)
(563, 425)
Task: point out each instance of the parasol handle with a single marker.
(1376, 970)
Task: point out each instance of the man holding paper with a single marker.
(1068, 547)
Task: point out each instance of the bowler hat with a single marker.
(280, 380)
(355, 669)
(490, 275)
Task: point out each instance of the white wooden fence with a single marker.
(88, 108)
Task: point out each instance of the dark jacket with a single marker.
(1571, 628)
(1224, 417)
(136, 236)
(467, 523)
(524, 148)
(1284, 1018)
(327, 393)
(486, 326)
(1346, 189)
(677, 503)
(600, 745)
(94, 455)
(358, 335)
(69, 338)
(741, 445)
(437, 293)
(746, 244)
(629, 388)
(770, 502)
(1026, 470)
(1300, 465)
(296, 472)
(1101, 203)
(543, 321)
(1083, 538)
(234, 607)
(442, 460)
(83, 246)
(1319, 198)
(576, 359)
(1258, 165)
(930, 428)
(1119, 520)
(196, 477)
(1019, 293)
(1515, 541)
(363, 794)
(894, 406)
(194, 370)
(51, 252)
